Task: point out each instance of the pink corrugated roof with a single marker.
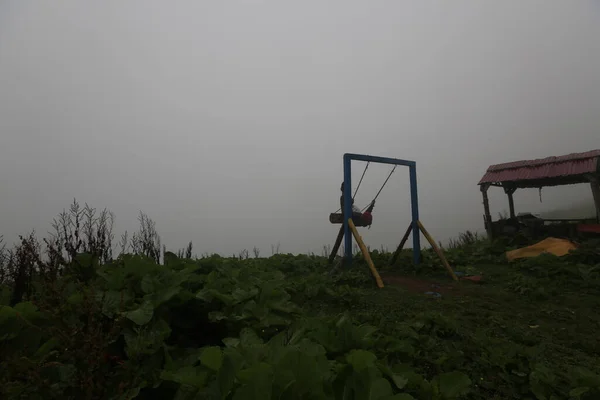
(544, 168)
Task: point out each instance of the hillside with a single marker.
(581, 210)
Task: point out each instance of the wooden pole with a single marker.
(511, 202)
(437, 250)
(595, 186)
(511, 205)
(336, 246)
(365, 252)
(401, 245)
(486, 206)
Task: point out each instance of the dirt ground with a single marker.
(420, 285)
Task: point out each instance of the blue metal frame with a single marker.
(414, 199)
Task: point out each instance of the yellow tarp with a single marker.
(558, 247)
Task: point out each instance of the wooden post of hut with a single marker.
(511, 202)
(595, 186)
(486, 207)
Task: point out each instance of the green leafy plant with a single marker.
(76, 322)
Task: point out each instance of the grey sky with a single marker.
(226, 121)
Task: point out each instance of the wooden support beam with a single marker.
(365, 252)
(437, 250)
(401, 245)
(511, 203)
(486, 207)
(336, 246)
(595, 186)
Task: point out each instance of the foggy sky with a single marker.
(226, 121)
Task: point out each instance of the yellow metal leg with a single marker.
(437, 250)
(365, 252)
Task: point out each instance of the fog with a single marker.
(226, 122)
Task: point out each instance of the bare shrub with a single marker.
(146, 240)
(464, 239)
(22, 264)
(81, 230)
(275, 249)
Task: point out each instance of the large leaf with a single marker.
(212, 358)
(361, 359)
(147, 340)
(46, 348)
(398, 379)
(208, 295)
(258, 382)
(300, 370)
(380, 389)
(129, 394)
(226, 377)
(86, 260)
(164, 295)
(8, 323)
(187, 375)
(240, 295)
(66, 372)
(578, 392)
(76, 299)
(112, 301)
(149, 284)
(171, 258)
(540, 381)
(452, 384)
(400, 346)
(186, 392)
(86, 265)
(249, 338)
(56, 372)
(20, 326)
(28, 311)
(231, 342)
(141, 315)
(585, 378)
(116, 278)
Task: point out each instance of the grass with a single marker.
(538, 313)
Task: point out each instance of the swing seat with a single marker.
(359, 220)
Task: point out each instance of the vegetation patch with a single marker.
(77, 321)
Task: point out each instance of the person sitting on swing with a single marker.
(360, 218)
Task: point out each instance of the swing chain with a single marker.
(380, 189)
(382, 186)
(361, 179)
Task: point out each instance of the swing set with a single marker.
(349, 227)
